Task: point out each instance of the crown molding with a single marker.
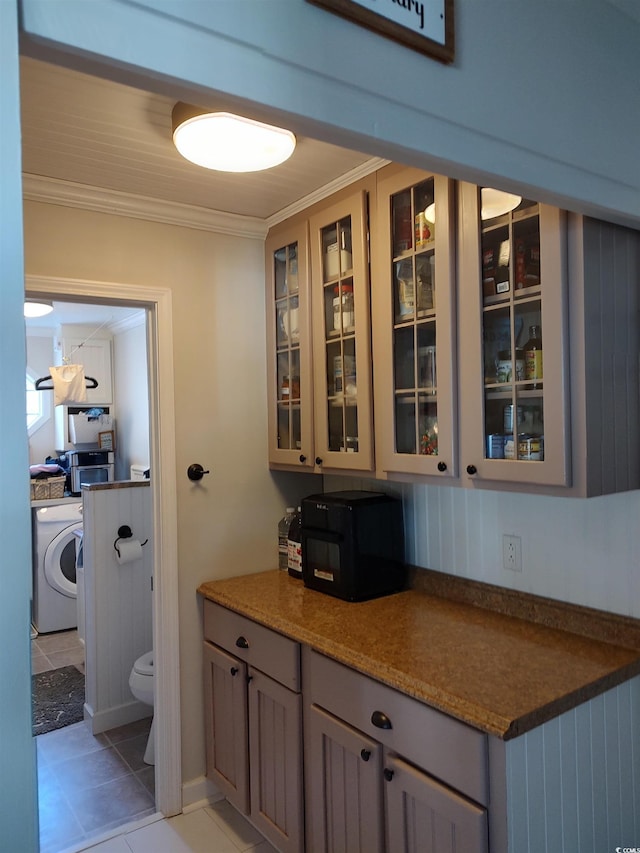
(332, 187)
(70, 194)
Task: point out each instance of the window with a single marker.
(38, 405)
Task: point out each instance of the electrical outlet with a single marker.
(512, 553)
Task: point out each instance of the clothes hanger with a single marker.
(40, 386)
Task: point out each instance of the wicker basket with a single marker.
(45, 490)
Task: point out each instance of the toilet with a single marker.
(141, 685)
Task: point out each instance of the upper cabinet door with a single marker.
(414, 324)
(289, 379)
(513, 340)
(341, 335)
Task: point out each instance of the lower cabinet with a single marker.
(253, 716)
(389, 791)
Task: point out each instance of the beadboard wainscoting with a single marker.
(564, 793)
(583, 551)
(117, 600)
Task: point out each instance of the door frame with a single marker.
(157, 303)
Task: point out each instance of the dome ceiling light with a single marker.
(494, 203)
(37, 308)
(227, 142)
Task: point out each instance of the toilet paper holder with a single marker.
(125, 532)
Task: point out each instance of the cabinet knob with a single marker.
(471, 470)
(388, 774)
(234, 670)
(365, 754)
(380, 720)
(249, 678)
(302, 457)
(318, 460)
(242, 643)
(442, 466)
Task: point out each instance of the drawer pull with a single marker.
(234, 670)
(365, 754)
(380, 720)
(388, 774)
(242, 643)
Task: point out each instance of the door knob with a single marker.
(196, 472)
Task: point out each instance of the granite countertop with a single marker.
(454, 644)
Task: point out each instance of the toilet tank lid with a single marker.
(144, 664)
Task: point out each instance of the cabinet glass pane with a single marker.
(415, 318)
(285, 268)
(512, 343)
(339, 332)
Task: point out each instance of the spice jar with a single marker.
(343, 314)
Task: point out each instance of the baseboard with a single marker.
(199, 792)
(111, 718)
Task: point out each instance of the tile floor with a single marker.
(210, 829)
(87, 784)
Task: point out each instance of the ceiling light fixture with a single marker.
(494, 203)
(227, 142)
(497, 202)
(37, 307)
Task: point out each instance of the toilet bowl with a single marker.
(141, 685)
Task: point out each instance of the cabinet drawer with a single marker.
(266, 650)
(446, 748)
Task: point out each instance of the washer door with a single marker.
(60, 562)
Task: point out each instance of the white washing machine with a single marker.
(54, 567)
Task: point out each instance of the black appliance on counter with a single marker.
(353, 544)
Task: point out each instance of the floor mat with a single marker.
(58, 699)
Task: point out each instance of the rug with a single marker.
(58, 699)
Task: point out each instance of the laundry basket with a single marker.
(46, 490)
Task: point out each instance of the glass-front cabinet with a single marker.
(341, 335)
(289, 380)
(414, 340)
(512, 324)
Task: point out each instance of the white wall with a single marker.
(39, 360)
(227, 523)
(131, 399)
(585, 551)
(540, 93)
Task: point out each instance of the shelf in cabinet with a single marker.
(407, 396)
(341, 400)
(334, 335)
(505, 392)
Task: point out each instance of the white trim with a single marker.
(199, 792)
(327, 190)
(163, 484)
(99, 200)
(54, 191)
(127, 323)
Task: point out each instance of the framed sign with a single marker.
(106, 440)
(422, 25)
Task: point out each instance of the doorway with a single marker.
(88, 782)
(156, 303)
